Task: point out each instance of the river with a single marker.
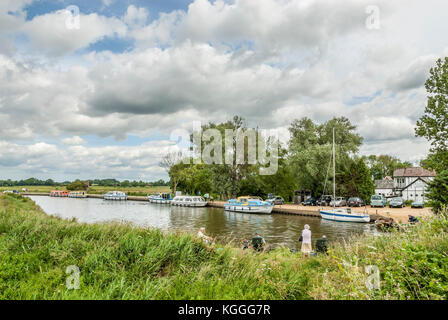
(277, 229)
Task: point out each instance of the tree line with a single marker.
(303, 164)
(98, 182)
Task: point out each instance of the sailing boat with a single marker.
(341, 214)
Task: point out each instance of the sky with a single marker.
(96, 88)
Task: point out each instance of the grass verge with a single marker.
(125, 262)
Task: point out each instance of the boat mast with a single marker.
(334, 175)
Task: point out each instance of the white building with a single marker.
(411, 183)
(385, 187)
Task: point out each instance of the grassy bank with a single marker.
(122, 262)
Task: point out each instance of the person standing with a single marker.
(306, 241)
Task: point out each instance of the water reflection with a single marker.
(276, 229)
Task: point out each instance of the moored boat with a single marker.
(248, 204)
(59, 193)
(115, 195)
(161, 198)
(189, 201)
(77, 194)
(344, 215)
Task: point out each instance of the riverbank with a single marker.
(124, 262)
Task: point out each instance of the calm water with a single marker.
(277, 229)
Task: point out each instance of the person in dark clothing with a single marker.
(412, 219)
(258, 242)
(322, 245)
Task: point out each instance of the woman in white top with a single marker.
(306, 241)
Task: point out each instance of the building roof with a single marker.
(384, 184)
(413, 172)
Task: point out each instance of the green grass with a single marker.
(131, 191)
(125, 262)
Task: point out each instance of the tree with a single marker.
(77, 185)
(310, 149)
(433, 125)
(438, 192)
(384, 165)
(171, 163)
(283, 182)
(228, 176)
(357, 180)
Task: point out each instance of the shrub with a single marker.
(438, 192)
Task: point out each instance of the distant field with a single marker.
(96, 189)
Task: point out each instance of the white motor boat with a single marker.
(249, 204)
(161, 198)
(189, 201)
(115, 195)
(77, 194)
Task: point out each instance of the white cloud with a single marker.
(269, 61)
(135, 17)
(49, 32)
(47, 160)
(75, 140)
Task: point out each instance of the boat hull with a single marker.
(115, 198)
(182, 204)
(248, 209)
(344, 217)
(160, 201)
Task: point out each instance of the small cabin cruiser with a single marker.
(249, 204)
(162, 198)
(115, 195)
(189, 201)
(77, 194)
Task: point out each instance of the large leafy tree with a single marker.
(433, 125)
(310, 148)
(227, 177)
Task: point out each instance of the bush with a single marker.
(438, 192)
(77, 186)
